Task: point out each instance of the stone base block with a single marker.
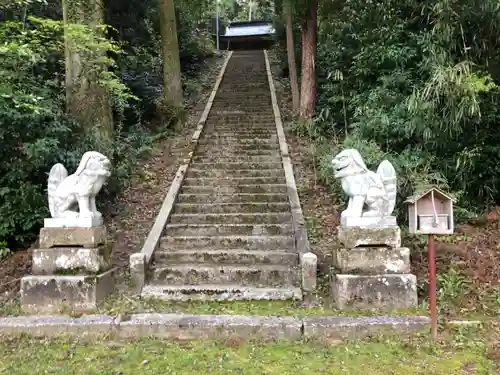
(138, 267)
(372, 260)
(61, 293)
(352, 237)
(369, 222)
(76, 260)
(385, 292)
(73, 222)
(70, 237)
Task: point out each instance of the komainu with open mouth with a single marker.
(79, 189)
(370, 194)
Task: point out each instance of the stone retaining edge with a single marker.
(212, 327)
(300, 231)
(139, 262)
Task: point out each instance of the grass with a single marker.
(122, 304)
(383, 357)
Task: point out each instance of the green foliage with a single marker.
(4, 251)
(415, 82)
(141, 66)
(452, 285)
(34, 131)
(125, 58)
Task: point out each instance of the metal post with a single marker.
(431, 254)
(217, 23)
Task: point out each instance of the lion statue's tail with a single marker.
(388, 174)
(56, 175)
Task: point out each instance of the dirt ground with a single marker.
(134, 212)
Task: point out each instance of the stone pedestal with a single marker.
(373, 271)
(71, 271)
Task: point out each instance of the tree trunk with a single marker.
(86, 100)
(170, 48)
(308, 76)
(292, 66)
(278, 8)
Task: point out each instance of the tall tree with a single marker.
(292, 66)
(171, 59)
(308, 76)
(86, 100)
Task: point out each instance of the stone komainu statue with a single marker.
(79, 188)
(370, 194)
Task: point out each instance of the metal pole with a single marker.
(217, 22)
(431, 254)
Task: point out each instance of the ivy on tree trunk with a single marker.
(308, 77)
(292, 66)
(87, 101)
(170, 48)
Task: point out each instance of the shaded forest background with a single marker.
(413, 81)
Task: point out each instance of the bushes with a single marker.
(35, 133)
(412, 82)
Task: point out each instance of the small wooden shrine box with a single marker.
(430, 212)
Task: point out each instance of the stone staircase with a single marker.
(230, 235)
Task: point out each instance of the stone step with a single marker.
(216, 257)
(219, 292)
(234, 181)
(224, 101)
(259, 88)
(237, 118)
(241, 129)
(244, 107)
(241, 189)
(249, 127)
(250, 123)
(262, 97)
(230, 111)
(231, 130)
(228, 174)
(237, 159)
(252, 98)
(239, 121)
(259, 91)
(233, 218)
(252, 80)
(235, 155)
(231, 198)
(238, 149)
(235, 136)
(239, 142)
(227, 242)
(228, 229)
(237, 165)
(257, 276)
(242, 121)
(238, 135)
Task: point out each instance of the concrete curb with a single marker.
(293, 196)
(300, 231)
(212, 327)
(139, 262)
